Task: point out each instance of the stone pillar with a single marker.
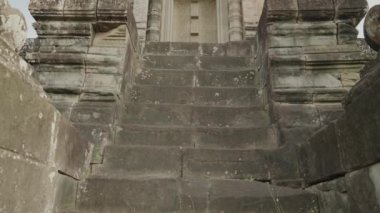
(252, 10)
(167, 20)
(154, 20)
(140, 11)
(235, 20)
(222, 20)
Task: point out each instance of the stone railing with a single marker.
(42, 155)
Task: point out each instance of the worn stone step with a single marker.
(259, 164)
(197, 63)
(164, 161)
(193, 115)
(241, 48)
(198, 137)
(101, 194)
(229, 96)
(197, 78)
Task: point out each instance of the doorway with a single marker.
(194, 21)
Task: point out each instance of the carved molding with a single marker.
(235, 20)
(154, 20)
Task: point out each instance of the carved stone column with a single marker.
(167, 20)
(235, 20)
(222, 20)
(154, 20)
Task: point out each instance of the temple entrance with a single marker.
(195, 21)
(203, 21)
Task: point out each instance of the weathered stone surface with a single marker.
(205, 98)
(312, 10)
(290, 34)
(239, 196)
(83, 9)
(334, 202)
(93, 113)
(201, 116)
(351, 11)
(126, 195)
(347, 34)
(112, 10)
(256, 164)
(72, 151)
(46, 9)
(66, 193)
(37, 145)
(206, 137)
(321, 156)
(25, 184)
(171, 195)
(99, 136)
(282, 10)
(17, 134)
(372, 29)
(297, 115)
(363, 189)
(150, 161)
(218, 96)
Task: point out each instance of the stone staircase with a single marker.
(195, 136)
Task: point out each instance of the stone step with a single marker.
(130, 194)
(217, 96)
(254, 164)
(197, 63)
(198, 137)
(198, 78)
(241, 48)
(258, 164)
(163, 161)
(193, 115)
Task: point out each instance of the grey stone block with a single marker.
(72, 152)
(297, 115)
(71, 82)
(363, 188)
(237, 196)
(25, 185)
(230, 164)
(93, 113)
(321, 156)
(23, 106)
(222, 96)
(46, 9)
(149, 161)
(316, 10)
(128, 195)
(282, 10)
(83, 9)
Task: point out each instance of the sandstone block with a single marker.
(316, 10)
(321, 156)
(25, 185)
(83, 9)
(363, 188)
(18, 134)
(282, 10)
